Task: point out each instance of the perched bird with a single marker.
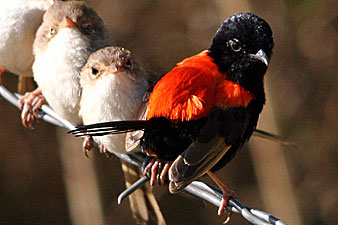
(19, 22)
(202, 112)
(70, 32)
(113, 85)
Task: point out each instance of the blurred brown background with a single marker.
(45, 179)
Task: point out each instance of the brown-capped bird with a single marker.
(113, 85)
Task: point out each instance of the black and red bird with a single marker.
(201, 113)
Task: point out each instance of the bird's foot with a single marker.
(105, 151)
(87, 145)
(222, 208)
(157, 170)
(30, 104)
(227, 193)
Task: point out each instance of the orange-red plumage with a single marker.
(232, 94)
(192, 88)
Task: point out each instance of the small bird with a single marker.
(70, 32)
(113, 85)
(19, 22)
(202, 112)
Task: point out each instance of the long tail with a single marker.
(115, 127)
(273, 137)
(118, 127)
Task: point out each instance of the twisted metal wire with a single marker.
(199, 189)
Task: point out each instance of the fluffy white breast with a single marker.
(116, 97)
(19, 21)
(57, 71)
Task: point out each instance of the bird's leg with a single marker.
(25, 84)
(29, 104)
(226, 192)
(104, 150)
(87, 145)
(157, 169)
(1, 72)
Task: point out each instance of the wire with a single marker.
(197, 188)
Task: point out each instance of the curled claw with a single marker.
(29, 104)
(147, 168)
(37, 103)
(153, 174)
(27, 117)
(87, 145)
(157, 170)
(27, 99)
(228, 218)
(164, 172)
(104, 150)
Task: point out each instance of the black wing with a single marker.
(223, 134)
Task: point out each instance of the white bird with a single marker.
(19, 22)
(113, 86)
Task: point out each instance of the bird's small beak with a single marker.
(113, 69)
(67, 23)
(261, 56)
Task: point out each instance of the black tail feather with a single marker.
(115, 127)
(273, 137)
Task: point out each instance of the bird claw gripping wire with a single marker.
(196, 188)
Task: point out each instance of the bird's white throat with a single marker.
(57, 71)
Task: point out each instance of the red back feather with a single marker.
(192, 88)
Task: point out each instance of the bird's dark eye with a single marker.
(52, 31)
(88, 27)
(94, 71)
(235, 45)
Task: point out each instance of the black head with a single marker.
(242, 48)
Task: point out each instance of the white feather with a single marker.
(19, 21)
(112, 98)
(57, 72)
